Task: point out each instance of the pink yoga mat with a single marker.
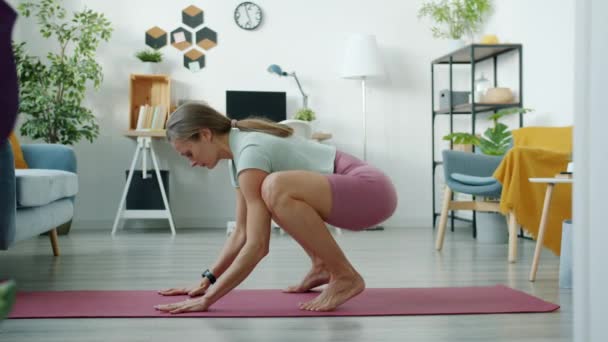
(274, 303)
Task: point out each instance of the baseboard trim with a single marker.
(215, 223)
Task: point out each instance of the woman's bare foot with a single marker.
(337, 293)
(317, 276)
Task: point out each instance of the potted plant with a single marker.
(51, 89)
(455, 19)
(305, 114)
(302, 122)
(495, 141)
(151, 58)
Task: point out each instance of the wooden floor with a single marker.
(150, 259)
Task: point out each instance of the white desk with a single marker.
(543, 219)
(144, 145)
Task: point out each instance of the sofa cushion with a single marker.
(36, 187)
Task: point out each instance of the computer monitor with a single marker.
(267, 104)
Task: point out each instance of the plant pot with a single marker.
(300, 127)
(151, 68)
(492, 228)
(455, 44)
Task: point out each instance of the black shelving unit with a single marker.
(469, 55)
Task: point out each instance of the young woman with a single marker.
(299, 183)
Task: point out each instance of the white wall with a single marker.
(305, 36)
(591, 166)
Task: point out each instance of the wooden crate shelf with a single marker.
(152, 90)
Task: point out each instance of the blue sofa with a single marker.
(36, 200)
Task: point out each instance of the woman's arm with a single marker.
(232, 247)
(236, 240)
(255, 248)
(258, 236)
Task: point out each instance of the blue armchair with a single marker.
(471, 174)
(38, 199)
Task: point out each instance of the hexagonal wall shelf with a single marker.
(194, 60)
(206, 38)
(192, 16)
(156, 37)
(181, 38)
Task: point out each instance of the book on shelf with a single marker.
(140, 118)
(154, 118)
(160, 116)
(151, 118)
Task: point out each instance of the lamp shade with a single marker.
(361, 57)
(275, 69)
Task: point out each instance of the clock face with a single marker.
(248, 15)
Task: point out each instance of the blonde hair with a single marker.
(187, 120)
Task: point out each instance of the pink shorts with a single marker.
(362, 195)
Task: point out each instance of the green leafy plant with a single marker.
(8, 292)
(455, 18)
(149, 55)
(51, 91)
(496, 140)
(305, 114)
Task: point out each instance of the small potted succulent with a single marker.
(151, 59)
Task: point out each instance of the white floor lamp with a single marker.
(362, 61)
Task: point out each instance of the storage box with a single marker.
(459, 97)
(144, 194)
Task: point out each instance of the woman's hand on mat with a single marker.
(190, 291)
(201, 289)
(190, 305)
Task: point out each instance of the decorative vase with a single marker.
(490, 39)
(151, 68)
(498, 95)
(300, 127)
(482, 84)
(455, 44)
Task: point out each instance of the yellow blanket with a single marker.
(537, 152)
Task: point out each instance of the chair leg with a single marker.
(512, 238)
(443, 220)
(54, 241)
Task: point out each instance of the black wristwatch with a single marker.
(207, 274)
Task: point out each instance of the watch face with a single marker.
(248, 15)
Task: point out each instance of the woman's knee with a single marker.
(274, 190)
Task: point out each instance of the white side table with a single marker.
(543, 219)
(144, 145)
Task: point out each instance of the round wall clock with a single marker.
(248, 15)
